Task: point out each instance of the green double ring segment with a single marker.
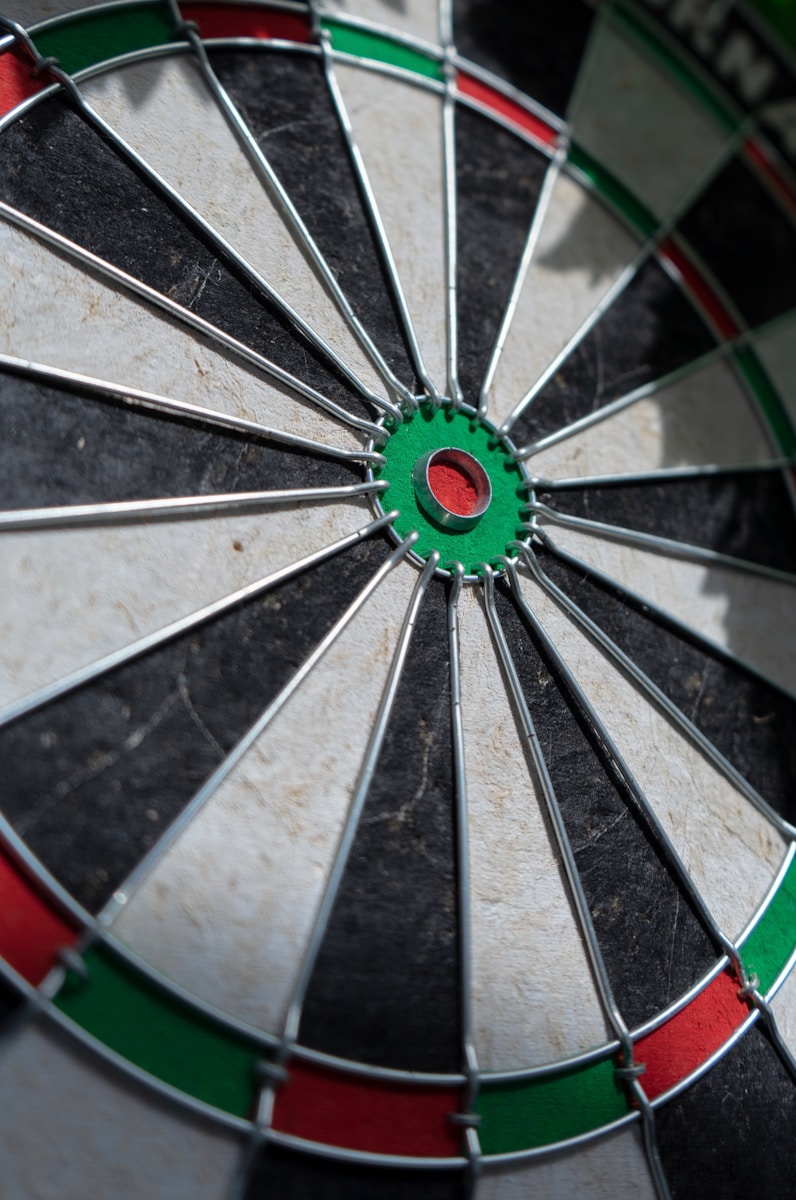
(436, 429)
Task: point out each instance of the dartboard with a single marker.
(397, 626)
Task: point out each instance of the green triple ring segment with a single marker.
(436, 429)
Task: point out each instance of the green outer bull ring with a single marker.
(504, 520)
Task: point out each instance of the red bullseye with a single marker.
(452, 487)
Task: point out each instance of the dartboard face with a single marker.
(397, 626)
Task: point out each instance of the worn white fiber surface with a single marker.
(731, 852)
(532, 991)
(79, 1128)
(227, 912)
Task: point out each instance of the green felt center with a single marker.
(435, 430)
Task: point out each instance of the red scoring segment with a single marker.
(684, 1043)
(765, 163)
(723, 322)
(17, 81)
(31, 932)
(374, 1115)
(241, 20)
(504, 107)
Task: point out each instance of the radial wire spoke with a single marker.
(537, 221)
(619, 863)
(702, 604)
(368, 767)
(669, 335)
(718, 511)
(664, 475)
(498, 181)
(628, 1071)
(240, 351)
(331, 887)
(775, 1034)
(634, 789)
(223, 248)
(470, 1059)
(657, 697)
(123, 895)
(271, 182)
(94, 777)
(80, 320)
(74, 516)
(606, 411)
(648, 248)
(152, 641)
(451, 227)
(660, 545)
(690, 418)
(371, 206)
(514, 876)
(105, 390)
(617, 287)
(749, 987)
(577, 85)
(392, 934)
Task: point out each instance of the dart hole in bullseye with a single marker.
(452, 487)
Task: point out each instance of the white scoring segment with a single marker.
(581, 253)
(418, 18)
(532, 991)
(398, 128)
(730, 850)
(79, 1127)
(62, 316)
(736, 610)
(213, 174)
(228, 910)
(610, 1168)
(777, 349)
(640, 125)
(78, 595)
(702, 419)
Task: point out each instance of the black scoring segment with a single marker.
(752, 723)
(279, 1174)
(745, 514)
(632, 897)
(747, 241)
(286, 104)
(67, 446)
(93, 779)
(650, 330)
(749, 1094)
(537, 47)
(498, 180)
(57, 169)
(10, 1002)
(385, 985)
